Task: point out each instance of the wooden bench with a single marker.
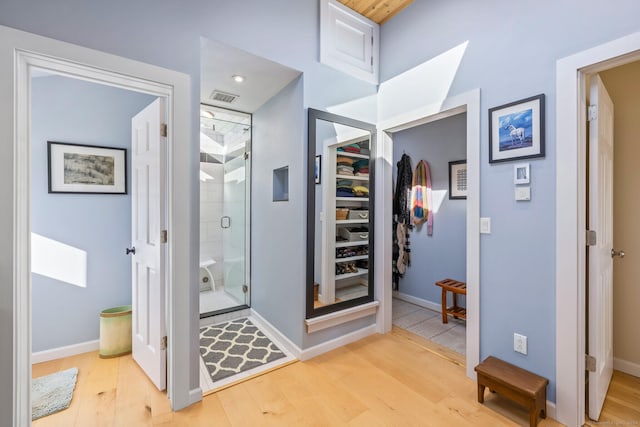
(455, 287)
(517, 384)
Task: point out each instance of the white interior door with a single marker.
(600, 255)
(148, 221)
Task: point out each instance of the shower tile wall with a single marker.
(211, 203)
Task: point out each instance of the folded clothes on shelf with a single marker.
(344, 170)
(343, 160)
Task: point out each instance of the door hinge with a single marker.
(246, 155)
(592, 112)
(163, 343)
(589, 363)
(591, 237)
(163, 236)
(163, 129)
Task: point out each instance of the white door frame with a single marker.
(17, 57)
(571, 175)
(468, 102)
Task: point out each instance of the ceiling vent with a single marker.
(220, 96)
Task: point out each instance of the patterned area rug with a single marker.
(235, 346)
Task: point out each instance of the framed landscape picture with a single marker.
(88, 169)
(516, 130)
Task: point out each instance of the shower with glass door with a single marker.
(225, 143)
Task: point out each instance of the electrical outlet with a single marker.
(520, 343)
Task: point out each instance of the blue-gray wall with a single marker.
(276, 237)
(69, 110)
(511, 54)
(444, 253)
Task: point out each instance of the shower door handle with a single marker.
(225, 222)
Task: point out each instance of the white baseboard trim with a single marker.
(551, 410)
(626, 367)
(66, 351)
(418, 301)
(324, 347)
(195, 395)
(279, 336)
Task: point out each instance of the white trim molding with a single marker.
(276, 335)
(317, 350)
(17, 58)
(418, 301)
(571, 73)
(468, 102)
(319, 323)
(626, 367)
(66, 351)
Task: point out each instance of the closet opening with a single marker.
(430, 232)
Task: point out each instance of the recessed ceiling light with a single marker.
(238, 78)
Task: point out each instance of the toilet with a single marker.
(206, 277)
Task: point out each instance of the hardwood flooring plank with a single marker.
(383, 380)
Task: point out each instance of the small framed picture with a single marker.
(521, 173)
(318, 168)
(88, 169)
(516, 130)
(458, 179)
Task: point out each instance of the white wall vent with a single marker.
(220, 96)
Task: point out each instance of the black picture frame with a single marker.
(458, 180)
(86, 169)
(517, 129)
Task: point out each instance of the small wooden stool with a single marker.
(517, 384)
(455, 288)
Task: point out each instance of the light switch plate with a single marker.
(485, 225)
(523, 193)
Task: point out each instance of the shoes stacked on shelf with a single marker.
(346, 268)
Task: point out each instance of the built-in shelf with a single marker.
(352, 258)
(355, 155)
(361, 272)
(352, 221)
(352, 199)
(353, 177)
(348, 244)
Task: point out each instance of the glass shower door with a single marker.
(234, 223)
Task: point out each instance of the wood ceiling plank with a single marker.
(379, 11)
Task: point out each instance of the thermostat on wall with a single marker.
(523, 193)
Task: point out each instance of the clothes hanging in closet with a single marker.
(421, 205)
(401, 220)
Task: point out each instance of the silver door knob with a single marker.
(615, 253)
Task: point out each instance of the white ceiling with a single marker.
(263, 78)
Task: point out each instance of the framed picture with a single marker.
(318, 168)
(521, 173)
(458, 179)
(88, 169)
(516, 130)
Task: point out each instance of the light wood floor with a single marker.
(622, 405)
(395, 379)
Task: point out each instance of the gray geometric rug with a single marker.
(52, 393)
(235, 346)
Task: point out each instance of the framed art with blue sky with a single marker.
(516, 130)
